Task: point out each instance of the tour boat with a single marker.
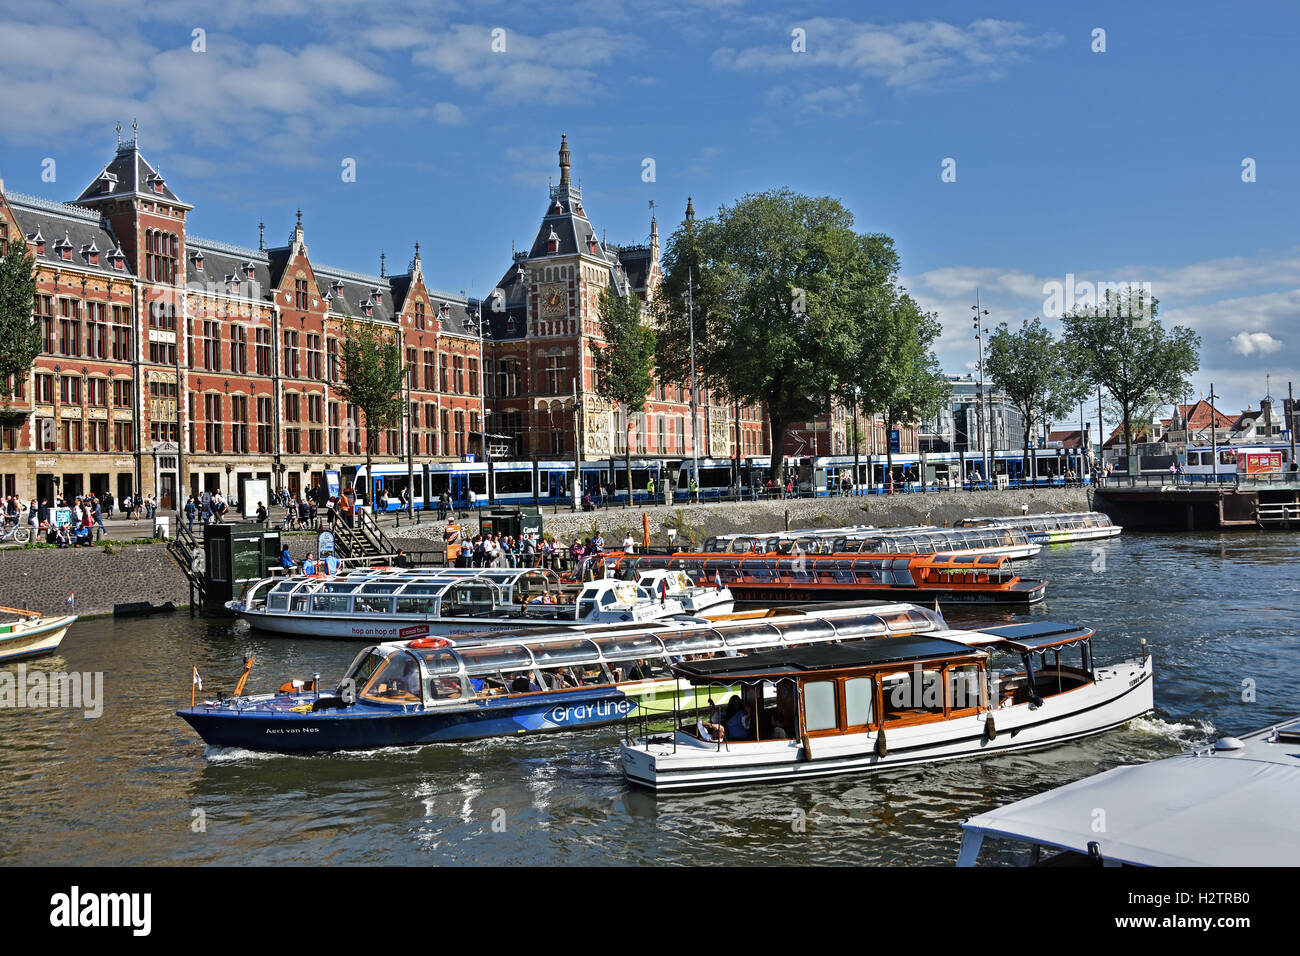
(776, 578)
(893, 702)
(31, 635)
(435, 690)
(700, 600)
(1052, 528)
(921, 539)
(1229, 804)
(397, 603)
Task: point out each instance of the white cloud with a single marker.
(1255, 343)
(910, 54)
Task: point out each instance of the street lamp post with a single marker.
(474, 325)
(979, 391)
(695, 434)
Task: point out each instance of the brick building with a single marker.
(174, 364)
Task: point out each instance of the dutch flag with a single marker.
(68, 602)
(717, 580)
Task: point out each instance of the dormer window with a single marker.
(90, 252)
(197, 258)
(107, 182)
(63, 248)
(367, 308)
(510, 324)
(38, 241)
(248, 269)
(232, 283)
(338, 285)
(552, 243)
(117, 258)
(156, 183)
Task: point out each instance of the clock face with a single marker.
(555, 302)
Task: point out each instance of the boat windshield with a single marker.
(396, 680)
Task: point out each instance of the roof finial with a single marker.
(135, 132)
(383, 274)
(118, 127)
(261, 236)
(564, 160)
(300, 218)
(417, 248)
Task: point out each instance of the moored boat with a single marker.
(439, 690)
(921, 539)
(405, 604)
(775, 579)
(1228, 804)
(700, 600)
(1052, 528)
(894, 702)
(25, 634)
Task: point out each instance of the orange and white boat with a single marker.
(30, 635)
(776, 578)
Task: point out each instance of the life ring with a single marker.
(430, 642)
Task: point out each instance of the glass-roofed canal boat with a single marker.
(1052, 528)
(922, 539)
(775, 578)
(871, 705)
(438, 690)
(405, 604)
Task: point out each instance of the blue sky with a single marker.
(1116, 166)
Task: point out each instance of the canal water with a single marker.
(136, 786)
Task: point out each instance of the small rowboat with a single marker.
(31, 635)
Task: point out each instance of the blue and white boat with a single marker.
(435, 690)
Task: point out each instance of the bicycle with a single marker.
(17, 533)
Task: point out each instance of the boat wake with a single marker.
(1193, 734)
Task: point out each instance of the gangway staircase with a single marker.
(188, 553)
(363, 542)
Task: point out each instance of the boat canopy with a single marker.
(1043, 522)
(1036, 636)
(823, 657)
(1212, 808)
(910, 540)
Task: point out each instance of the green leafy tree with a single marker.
(371, 379)
(624, 366)
(913, 379)
(1119, 345)
(1036, 373)
(776, 279)
(19, 331)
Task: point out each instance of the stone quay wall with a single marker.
(705, 520)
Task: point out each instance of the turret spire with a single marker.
(564, 160)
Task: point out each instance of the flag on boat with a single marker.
(197, 681)
(663, 592)
(717, 580)
(71, 595)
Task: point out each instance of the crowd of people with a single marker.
(490, 550)
(61, 523)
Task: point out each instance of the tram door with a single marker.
(555, 485)
(458, 488)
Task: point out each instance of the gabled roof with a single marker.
(129, 173)
(220, 261)
(1200, 414)
(62, 225)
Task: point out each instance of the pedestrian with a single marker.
(473, 500)
(309, 565)
(650, 490)
(629, 545)
(262, 515)
(191, 509)
(98, 514)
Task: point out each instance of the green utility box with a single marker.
(515, 522)
(235, 555)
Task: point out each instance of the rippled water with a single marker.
(125, 788)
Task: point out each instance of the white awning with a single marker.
(1220, 810)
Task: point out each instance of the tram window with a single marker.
(859, 698)
(819, 706)
(514, 482)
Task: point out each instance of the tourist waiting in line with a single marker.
(286, 559)
(308, 564)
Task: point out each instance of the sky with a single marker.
(1003, 146)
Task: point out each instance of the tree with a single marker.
(914, 380)
(19, 330)
(624, 366)
(1036, 373)
(371, 379)
(776, 278)
(1120, 346)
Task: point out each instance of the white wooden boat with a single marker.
(405, 604)
(1230, 804)
(31, 635)
(699, 600)
(893, 702)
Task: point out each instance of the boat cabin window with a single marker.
(416, 605)
(341, 587)
(364, 667)
(859, 701)
(330, 603)
(692, 642)
(910, 620)
(396, 681)
(464, 599)
(486, 660)
(749, 635)
(867, 625)
(366, 604)
(557, 652)
(795, 632)
(820, 710)
(443, 680)
(630, 647)
(964, 687)
(912, 695)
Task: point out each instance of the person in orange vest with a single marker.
(345, 505)
(452, 541)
